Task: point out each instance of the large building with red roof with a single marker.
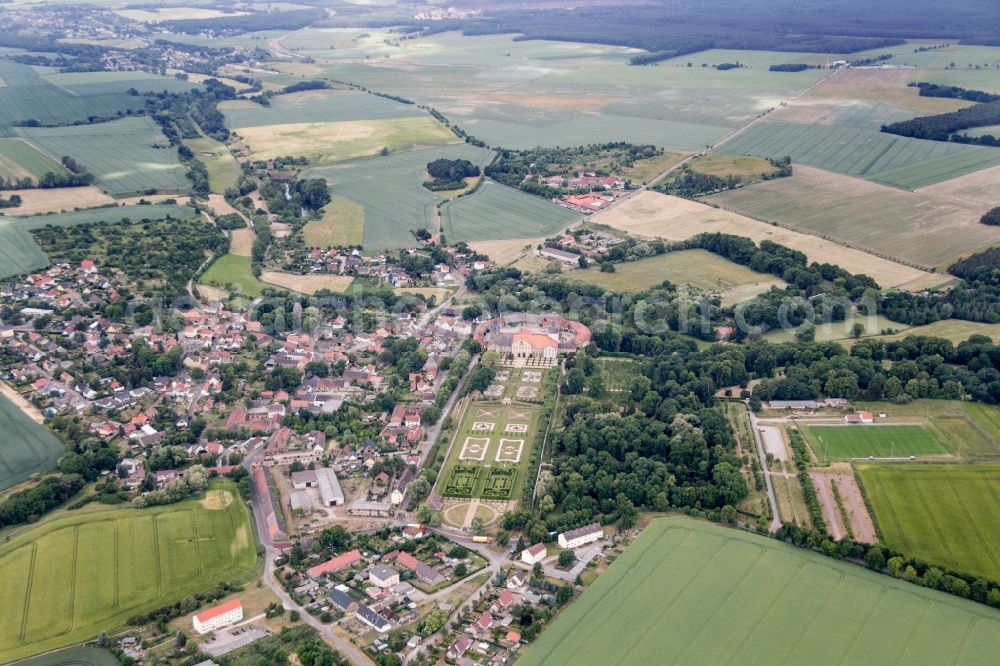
(219, 616)
(336, 564)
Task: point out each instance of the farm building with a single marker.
(581, 536)
(534, 554)
(220, 616)
(370, 509)
(425, 572)
(860, 417)
(559, 255)
(325, 480)
(262, 493)
(336, 564)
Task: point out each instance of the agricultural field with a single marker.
(307, 284)
(860, 88)
(87, 84)
(19, 159)
(233, 272)
(19, 253)
(838, 442)
(498, 212)
(660, 602)
(223, 169)
(26, 447)
(980, 188)
(520, 94)
(342, 225)
(28, 96)
(158, 14)
(492, 445)
(58, 199)
(73, 577)
(745, 166)
(161, 211)
(75, 656)
(916, 227)
(655, 215)
(316, 106)
(700, 269)
(389, 222)
(943, 514)
(127, 156)
(862, 152)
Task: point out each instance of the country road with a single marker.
(762, 456)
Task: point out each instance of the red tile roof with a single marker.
(336, 564)
(216, 611)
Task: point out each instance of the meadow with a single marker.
(918, 227)
(878, 441)
(27, 447)
(943, 514)
(498, 212)
(694, 593)
(342, 225)
(233, 272)
(19, 159)
(73, 577)
(840, 331)
(651, 214)
(389, 222)
(697, 268)
(223, 169)
(866, 153)
(127, 156)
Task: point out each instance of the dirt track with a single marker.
(862, 527)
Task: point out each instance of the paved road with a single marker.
(762, 456)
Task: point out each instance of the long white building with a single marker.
(219, 616)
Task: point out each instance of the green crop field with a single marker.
(943, 514)
(390, 221)
(25, 446)
(342, 225)
(698, 268)
(879, 441)
(73, 577)
(28, 96)
(688, 592)
(926, 229)
(127, 156)
(19, 159)
(75, 656)
(88, 84)
(498, 212)
(520, 94)
(315, 106)
(19, 253)
(867, 153)
(231, 271)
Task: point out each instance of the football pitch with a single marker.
(948, 515)
(687, 592)
(864, 441)
(67, 580)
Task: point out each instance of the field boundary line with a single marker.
(27, 592)
(927, 510)
(197, 541)
(864, 623)
(975, 527)
(156, 555)
(72, 589)
(763, 551)
(118, 590)
(690, 581)
(926, 607)
(965, 639)
(760, 620)
(687, 534)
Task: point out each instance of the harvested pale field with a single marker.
(342, 225)
(174, 14)
(980, 187)
(210, 293)
(916, 227)
(151, 198)
(241, 242)
(58, 200)
(563, 102)
(655, 215)
(344, 140)
(880, 85)
(220, 206)
(307, 284)
(504, 252)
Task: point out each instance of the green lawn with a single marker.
(687, 592)
(25, 446)
(71, 578)
(697, 268)
(498, 212)
(948, 515)
(231, 270)
(342, 225)
(879, 441)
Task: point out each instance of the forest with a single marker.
(449, 174)
(946, 126)
(691, 183)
